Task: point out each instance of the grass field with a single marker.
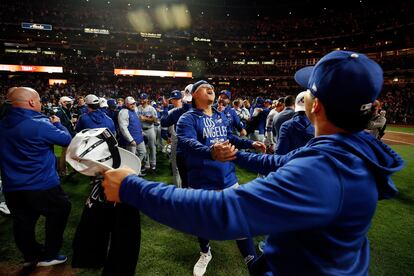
(165, 251)
(400, 129)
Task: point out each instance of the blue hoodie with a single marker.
(169, 117)
(260, 119)
(316, 204)
(294, 133)
(27, 160)
(196, 133)
(95, 119)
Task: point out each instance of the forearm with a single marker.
(259, 163)
(187, 210)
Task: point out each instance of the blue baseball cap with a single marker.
(176, 94)
(259, 101)
(227, 93)
(345, 81)
(198, 84)
(269, 101)
(111, 102)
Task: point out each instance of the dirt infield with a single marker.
(398, 138)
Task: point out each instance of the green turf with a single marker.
(165, 251)
(400, 129)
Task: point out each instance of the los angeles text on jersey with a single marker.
(210, 129)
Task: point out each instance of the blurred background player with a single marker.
(295, 132)
(148, 116)
(131, 130)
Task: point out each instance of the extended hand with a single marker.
(223, 151)
(112, 182)
(259, 146)
(54, 119)
(243, 132)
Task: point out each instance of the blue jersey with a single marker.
(27, 160)
(196, 133)
(316, 204)
(294, 133)
(232, 118)
(95, 119)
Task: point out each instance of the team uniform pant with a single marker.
(158, 136)
(139, 150)
(174, 167)
(26, 207)
(151, 158)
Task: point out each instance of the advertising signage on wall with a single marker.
(153, 73)
(37, 26)
(31, 68)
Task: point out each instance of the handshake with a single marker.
(225, 151)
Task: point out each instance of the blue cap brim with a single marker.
(302, 76)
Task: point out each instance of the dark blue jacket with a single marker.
(260, 119)
(169, 117)
(279, 119)
(27, 160)
(294, 133)
(95, 119)
(196, 133)
(316, 204)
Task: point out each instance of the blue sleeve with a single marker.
(261, 163)
(111, 125)
(238, 142)
(187, 138)
(79, 125)
(54, 134)
(283, 141)
(281, 202)
(236, 121)
(233, 139)
(166, 118)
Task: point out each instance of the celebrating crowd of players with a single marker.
(203, 133)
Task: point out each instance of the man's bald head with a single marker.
(24, 97)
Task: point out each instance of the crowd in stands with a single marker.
(397, 100)
(330, 22)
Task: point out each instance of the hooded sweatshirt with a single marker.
(294, 133)
(27, 160)
(316, 204)
(196, 133)
(95, 119)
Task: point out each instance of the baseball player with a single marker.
(148, 116)
(169, 119)
(315, 203)
(199, 131)
(224, 106)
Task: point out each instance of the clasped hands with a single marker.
(225, 151)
